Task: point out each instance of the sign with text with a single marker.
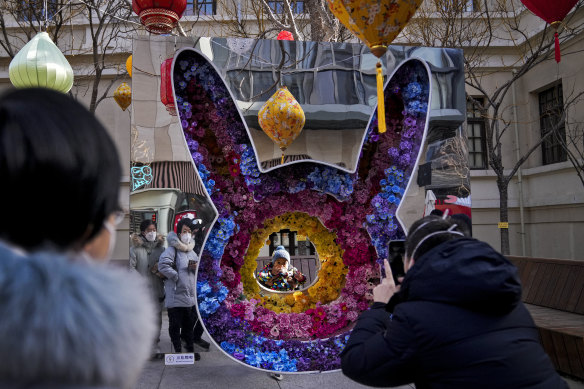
(179, 359)
(503, 225)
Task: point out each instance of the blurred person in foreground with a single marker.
(145, 251)
(456, 320)
(67, 320)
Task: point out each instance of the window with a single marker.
(551, 109)
(475, 131)
(278, 6)
(201, 7)
(34, 10)
(472, 6)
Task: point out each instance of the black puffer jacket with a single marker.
(458, 322)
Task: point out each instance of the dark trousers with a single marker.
(181, 325)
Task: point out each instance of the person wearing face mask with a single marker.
(55, 290)
(178, 263)
(146, 248)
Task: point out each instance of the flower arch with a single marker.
(353, 215)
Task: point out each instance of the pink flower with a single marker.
(275, 332)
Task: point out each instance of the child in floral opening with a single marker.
(279, 274)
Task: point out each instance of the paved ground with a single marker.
(217, 371)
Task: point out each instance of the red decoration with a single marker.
(285, 36)
(159, 16)
(166, 86)
(553, 12)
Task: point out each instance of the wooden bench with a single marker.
(308, 265)
(553, 291)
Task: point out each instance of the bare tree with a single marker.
(109, 27)
(306, 20)
(474, 27)
(573, 144)
(31, 18)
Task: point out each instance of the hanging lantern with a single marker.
(282, 118)
(159, 16)
(40, 63)
(553, 12)
(129, 65)
(166, 96)
(123, 96)
(376, 23)
(285, 36)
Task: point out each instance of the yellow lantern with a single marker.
(376, 23)
(123, 96)
(282, 118)
(40, 63)
(129, 65)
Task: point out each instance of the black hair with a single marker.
(56, 161)
(184, 222)
(464, 223)
(147, 223)
(424, 227)
(436, 212)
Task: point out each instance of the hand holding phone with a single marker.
(387, 287)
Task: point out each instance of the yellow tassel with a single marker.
(282, 159)
(380, 100)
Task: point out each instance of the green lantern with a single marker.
(40, 63)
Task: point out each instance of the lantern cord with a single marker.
(46, 15)
(380, 100)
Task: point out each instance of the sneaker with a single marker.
(202, 344)
(277, 377)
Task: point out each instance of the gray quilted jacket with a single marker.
(180, 285)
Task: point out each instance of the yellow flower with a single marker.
(289, 300)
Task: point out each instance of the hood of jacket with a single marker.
(65, 307)
(174, 241)
(138, 240)
(464, 272)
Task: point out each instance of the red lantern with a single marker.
(166, 86)
(552, 12)
(159, 16)
(285, 36)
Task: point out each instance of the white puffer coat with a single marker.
(180, 285)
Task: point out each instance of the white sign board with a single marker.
(179, 359)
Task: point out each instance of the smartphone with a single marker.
(192, 262)
(396, 251)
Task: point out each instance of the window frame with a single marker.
(552, 149)
(194, 7)
(277, 6)
(476, 120)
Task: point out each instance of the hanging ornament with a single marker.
(166, 96)
(129, 65)
(159, 16)
(282, 118)
(141, 176)
(285, 36)
(123, 96)
(553, 12)
(376, 23)
(40, 63)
